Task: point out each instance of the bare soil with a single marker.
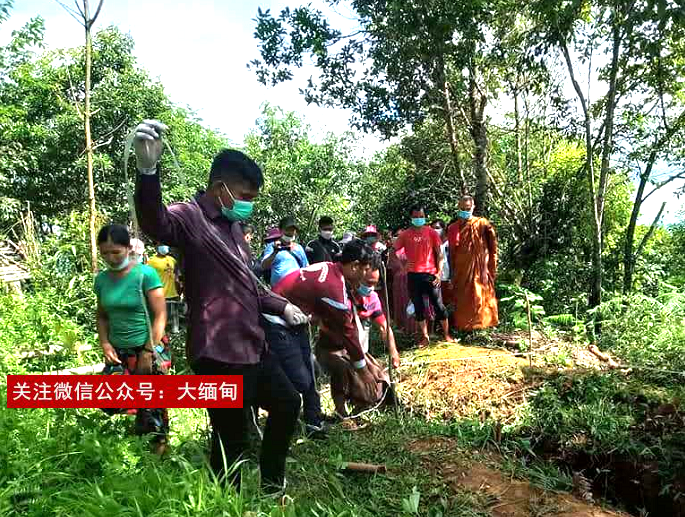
(503, 495)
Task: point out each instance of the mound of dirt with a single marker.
(504, 496)
(455, 381)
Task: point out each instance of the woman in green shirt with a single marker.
(131, 317)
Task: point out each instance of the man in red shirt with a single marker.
(425, 262)
(321, 290)
(336, 361)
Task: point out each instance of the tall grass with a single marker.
(645, 331)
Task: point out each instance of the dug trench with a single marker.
(643, 486)
(494, 387)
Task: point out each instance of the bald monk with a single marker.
(473, 256)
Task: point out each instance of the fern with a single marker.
(562, 320)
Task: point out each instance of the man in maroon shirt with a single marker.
(321, 290)
(224, 299)
(333, 357)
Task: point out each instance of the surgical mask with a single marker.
(163, 250)
(122, 265)
(439, 231)
(464, 214)
(241, 209)
(418, 221)
(287, 239)
(364, 290)
(372, 239)
(139, 259)
(326, 234)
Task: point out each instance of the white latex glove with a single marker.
(147, 144)
(293, 316)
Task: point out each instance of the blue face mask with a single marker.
(123, 265)
(418, 221)
(163, 250)
(364, 290)
(372, 239)
(464, 214)
(241, 209)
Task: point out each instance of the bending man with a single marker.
(331, 354)
(321, 290)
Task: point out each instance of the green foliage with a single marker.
(41, 133)
(581, 412)
(89, 464)
(303, 178)
(34, 338)
(646, 331)
(515, 302)
(56, 319)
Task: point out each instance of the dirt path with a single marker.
(503, 495)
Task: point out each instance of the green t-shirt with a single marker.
(121, 300)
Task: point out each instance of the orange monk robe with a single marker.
(473, 258)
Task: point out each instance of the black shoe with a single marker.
(315, 432)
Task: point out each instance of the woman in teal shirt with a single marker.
(131, 317)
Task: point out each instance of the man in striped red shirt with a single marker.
(336, 361)
(321, 290)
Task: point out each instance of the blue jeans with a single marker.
(291, 346)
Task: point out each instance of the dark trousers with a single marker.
(291, 346)
(420, 285)
(264, 384)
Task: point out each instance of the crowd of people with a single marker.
(274, 317)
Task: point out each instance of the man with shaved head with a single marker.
(473, 261)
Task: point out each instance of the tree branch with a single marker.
(680, 175)
(117, 128)
(102, 144)
(78, 6)
(658, 146)
(588, 134)
(73, 13)
(650, 231)
(97, 12)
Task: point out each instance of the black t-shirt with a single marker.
(322, 250)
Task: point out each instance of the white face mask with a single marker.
(439, 231)
(328, 235)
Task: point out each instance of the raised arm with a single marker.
(154, 218)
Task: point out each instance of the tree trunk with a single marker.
(448, 111)
(517, 130)
(89, 140)
(629, 258)
(477, 103)
(595, 295)
(628, 255)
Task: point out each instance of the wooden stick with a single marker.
(364, 467)
(530, 332)
(602, 356)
